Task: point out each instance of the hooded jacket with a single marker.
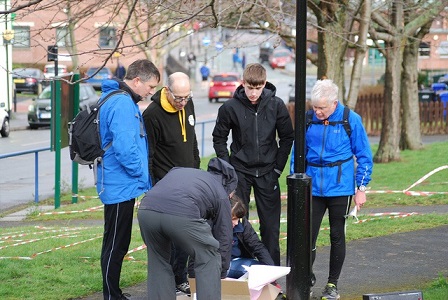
(123, 173)
(168, 147)
(327, 144)
(198, 194)
(249, 243)
(255, 149)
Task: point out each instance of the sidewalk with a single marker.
(393, 263)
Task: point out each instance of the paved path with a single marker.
(393, 263)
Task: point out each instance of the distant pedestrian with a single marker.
(205, 73)
(235, 59)
(243, 60)
(191, 57)
(120, 71)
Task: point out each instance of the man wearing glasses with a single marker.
(169, 122)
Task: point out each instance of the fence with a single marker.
(370, 108)
(203, 132)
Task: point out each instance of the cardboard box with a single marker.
(234, 289)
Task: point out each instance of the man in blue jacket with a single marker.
(123, 171)
(331, 149)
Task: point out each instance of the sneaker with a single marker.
(125, 296)
(184, 288)
(313, 279)
(330, 292)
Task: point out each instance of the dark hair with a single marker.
(238, 208)
(144, 69)
(254, 74)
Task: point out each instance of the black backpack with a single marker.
(344, 122)
(84, 135)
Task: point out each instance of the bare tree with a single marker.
(391, 26)
(360, 53)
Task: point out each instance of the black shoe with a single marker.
(125, 296)
(313, 279)
(184, 288)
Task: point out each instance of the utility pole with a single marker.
(298, 253)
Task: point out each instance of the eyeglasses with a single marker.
(180, 99)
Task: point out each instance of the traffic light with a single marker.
(52, 54)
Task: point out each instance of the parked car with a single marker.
(97, 79)
(310, 82)
(28, 80)
(223, 85)
(39, 112)
(49, 70)
(4, 122)
(279, 58)
(266, 49)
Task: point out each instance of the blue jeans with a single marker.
(236, 269)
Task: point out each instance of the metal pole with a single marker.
(298, 281)
(298, 251)
(56, 106)
(74, 164)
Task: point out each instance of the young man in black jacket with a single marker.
(256, 118)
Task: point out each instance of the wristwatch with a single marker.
(362, 188)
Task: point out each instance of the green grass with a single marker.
(64, 258)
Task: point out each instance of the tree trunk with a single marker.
(332, 47)
(388, 149)
(361, 49)
(410, 130)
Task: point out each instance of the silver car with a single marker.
(39, 112)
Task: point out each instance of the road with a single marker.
(17, 174)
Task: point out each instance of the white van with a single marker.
(49, 70)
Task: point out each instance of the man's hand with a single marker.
(360, 199)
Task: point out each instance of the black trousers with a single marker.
(116, 240)
(337, 207)
(267, 198)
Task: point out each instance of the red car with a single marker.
(223, 85)
(280, 58)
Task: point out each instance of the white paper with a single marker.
(261, 275)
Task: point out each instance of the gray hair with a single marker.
(324, 90)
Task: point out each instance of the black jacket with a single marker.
(198, 194)
(166, 146)
(251, 246)
(254, 149)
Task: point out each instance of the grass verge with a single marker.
(61, 260)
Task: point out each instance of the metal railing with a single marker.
(36, 166)
(201, 126)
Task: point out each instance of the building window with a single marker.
(62, 36)
(21, 37)
(443, 49)
(424, 49)
(108, 37)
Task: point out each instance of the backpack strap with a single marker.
(344, 122)
(100, 103)
(99, 159)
